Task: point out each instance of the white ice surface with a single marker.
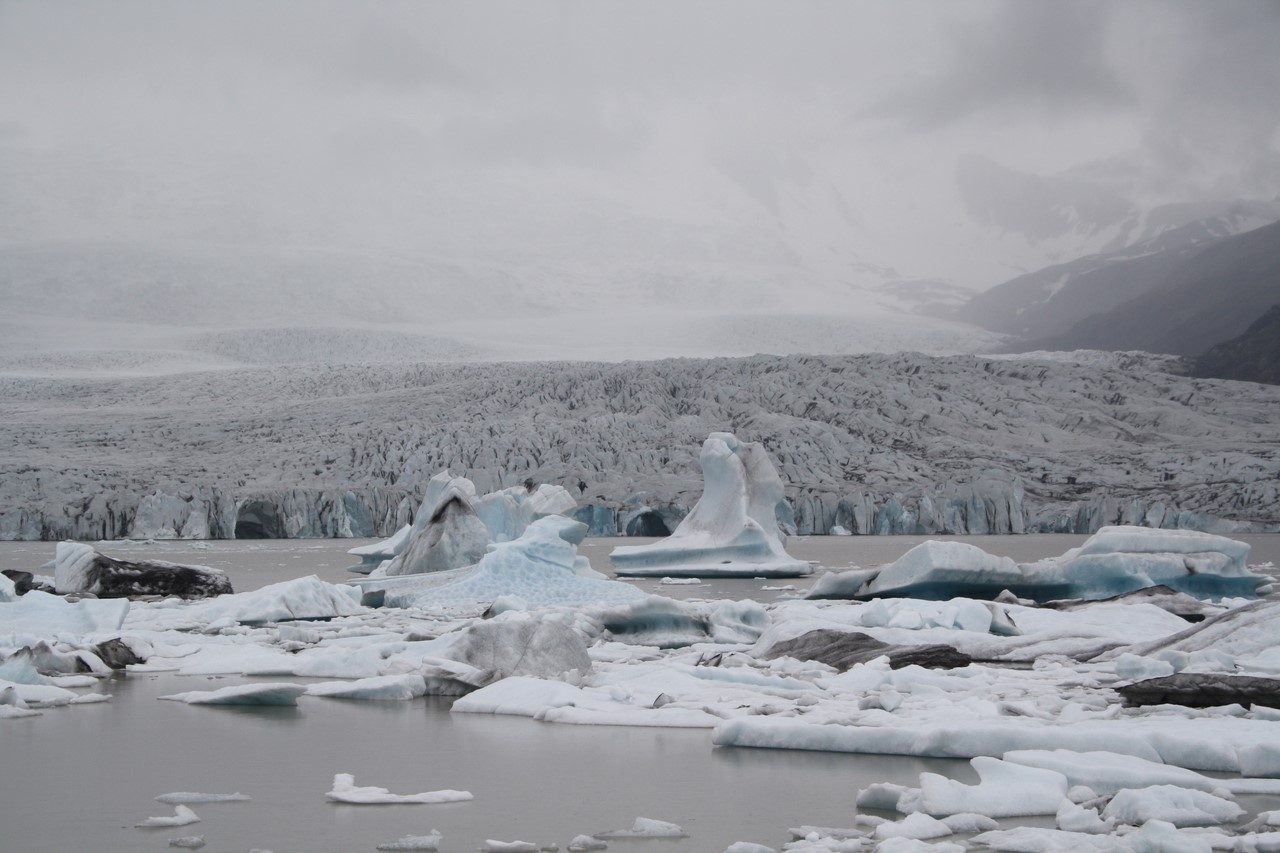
(243, 694)
(181, 817)
(345, 790)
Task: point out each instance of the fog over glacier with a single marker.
(605, 180)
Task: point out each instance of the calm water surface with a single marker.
(77, 779)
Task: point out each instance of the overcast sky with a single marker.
(573, 132)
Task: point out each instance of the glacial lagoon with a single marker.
(78, 779)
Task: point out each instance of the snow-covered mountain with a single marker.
(875, 443)
(1224, 258)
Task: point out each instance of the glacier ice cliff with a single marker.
(872, 444)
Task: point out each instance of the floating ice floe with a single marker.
(181, 817)
(306, 598)
(1178, 806)
(42, 615)
(585, 843)
(188, 797)
(732, 531)
(345, 790)
(540, 569)
(645, 827)
(429, 842)
(79, 568)
(187, 842)
(243, 694)
(1113, 561)
(494, 846)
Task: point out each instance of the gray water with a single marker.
(78, 778)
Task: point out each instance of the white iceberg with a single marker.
(345, 790)
(1114, 561)
(1178, 806)
(414, 842)
(646, 827)
(40, 614)
(243, 694)
(541, 568)
(182, 816)
(452, 537)
(303, 598)
(732, 531)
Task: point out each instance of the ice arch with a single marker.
(258, 519)
(648, 523)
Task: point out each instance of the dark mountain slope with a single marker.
(1210, 297)
(1252, 357)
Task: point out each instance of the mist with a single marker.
(463, 167)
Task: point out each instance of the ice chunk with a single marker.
(841, 585)
(187, 797)
(918, 825)
(941, 570)
(8, 592)
(527, 647)
(414, 842)
(188, 842)
(745, 847)
(79, 568)
(1178, 806)
(1108, 772)
(646, 827)
(243, 694)
(492, 846)
(382, 688)
(539, 568)
(1136, 667)
(40, 614)
(453, 537)
(1006, 790)
(302, 598)
(1075, 818)
(732, 531)
(345, 790)
(181, 817)
(371, 556)
(1115, 560)
(584, 843)
(1158, 836)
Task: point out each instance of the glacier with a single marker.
(873, 444)
(732, 530)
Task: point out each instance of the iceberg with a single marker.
(79, 568)
(1114, 561)
(508, 512)
(345, 790)
(541, 568)
(732, 531)
(372, 556)
(273, 693)
(452, 537)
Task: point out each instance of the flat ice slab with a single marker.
(731, 532)
(345, 790)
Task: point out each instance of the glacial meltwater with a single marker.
(79, 778)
